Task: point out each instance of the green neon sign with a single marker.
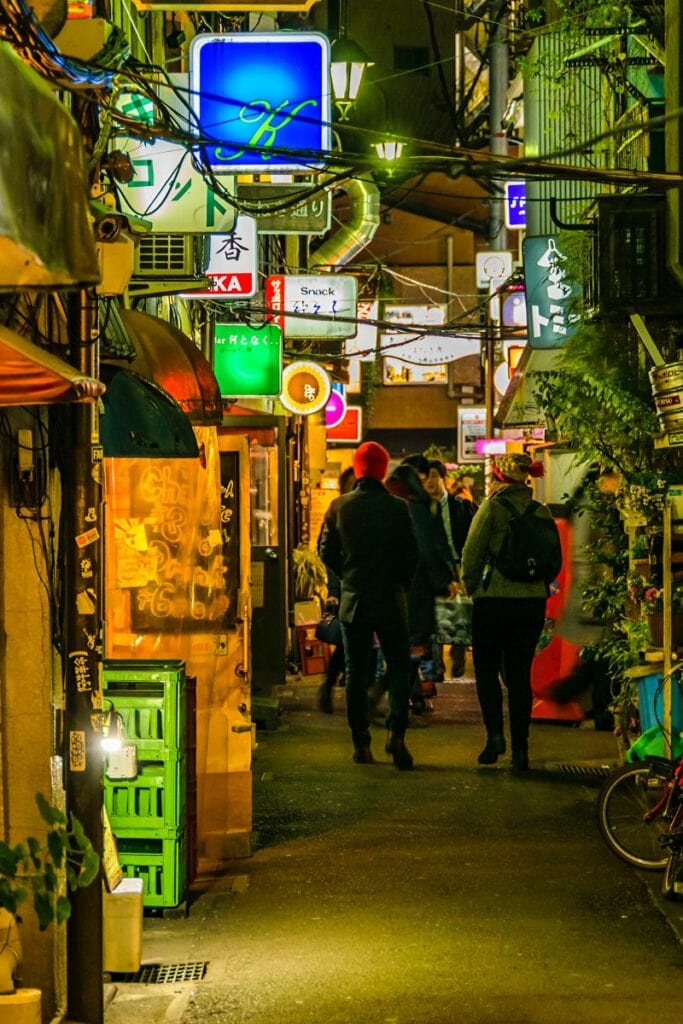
(247, 360)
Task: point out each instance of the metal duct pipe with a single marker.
(351, 238)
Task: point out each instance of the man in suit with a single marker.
(456, 514)
(370, 544)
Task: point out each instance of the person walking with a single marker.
(457, 515)
(507, 615)
(336, 665)
(370, 543)
(435, 568)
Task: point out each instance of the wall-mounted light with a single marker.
(347, 68)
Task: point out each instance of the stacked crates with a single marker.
(148, 813)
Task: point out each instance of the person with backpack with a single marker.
(511, 555)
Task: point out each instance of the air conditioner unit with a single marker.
(168, 256)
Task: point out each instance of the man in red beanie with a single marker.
(369, 543)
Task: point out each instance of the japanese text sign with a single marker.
(287, 209)
(247, 360)
(262, 100)
(167, 189)
(324, 296)
(515, 205)
(549, 291)
(232, 265)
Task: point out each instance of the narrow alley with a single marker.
(448, 894)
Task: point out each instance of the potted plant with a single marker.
(43, 872)
(310, 575)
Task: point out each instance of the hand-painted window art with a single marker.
(262, 100)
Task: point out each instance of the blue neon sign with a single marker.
(262, 99)
(515, 204)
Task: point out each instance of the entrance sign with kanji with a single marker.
(233, 263)
(314, 302)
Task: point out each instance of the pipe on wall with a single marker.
(351, 238)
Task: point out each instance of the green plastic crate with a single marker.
(151, 698)
(160, 860)
(154, 723)
(156, 798)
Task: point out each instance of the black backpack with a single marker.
(531, 549)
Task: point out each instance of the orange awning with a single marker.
(31, 376)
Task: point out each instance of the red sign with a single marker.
(350, 428)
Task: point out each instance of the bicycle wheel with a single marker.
(672, 871)
(625, 798)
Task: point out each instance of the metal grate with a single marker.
(165, 974)
(582, 769)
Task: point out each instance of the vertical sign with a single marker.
(515, 205)
(233, 263)
(548, 293)
(230, 531)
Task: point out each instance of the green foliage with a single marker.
(34, 869)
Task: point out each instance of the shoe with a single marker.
(396, 746)
(363, 755)
(417, 705)
(495, 746)
(325, 702)
(520, 758)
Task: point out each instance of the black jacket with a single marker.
(435, 565)
(370, 543)
(461, 513)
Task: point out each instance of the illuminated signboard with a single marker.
(262, 99)
(419, 347)
(350, 429)
(227, 6)
(364, 342)
(515, 205)
(549, 291)
(167, 190)
(471, 428)
(247, 360)
(287, 209)
(335, 410)
(232, 263)
(305, 388)
(326, 297)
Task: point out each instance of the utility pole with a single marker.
(498, 86)
(82, 657)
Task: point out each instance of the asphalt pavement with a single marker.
(451, 893)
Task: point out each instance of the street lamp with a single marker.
(389, 149)
(347, 68)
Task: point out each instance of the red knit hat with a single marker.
(372, 460)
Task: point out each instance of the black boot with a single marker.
(325, 700)
(495, 746)
(363, 755)
(520, 757)
(396, 746)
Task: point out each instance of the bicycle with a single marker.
(640, 812)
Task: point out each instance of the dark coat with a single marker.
(434, 568)
(461, 512)
(369, 542)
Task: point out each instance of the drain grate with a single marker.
(165, 974)
(583, 769)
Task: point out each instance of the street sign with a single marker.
(306, 387)
(167, 190)
(549, 291)
(247, 360)
(263, 100)
(308, 215)
(324, 296)
(515, 205)
(233, 263)
(364, 342)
